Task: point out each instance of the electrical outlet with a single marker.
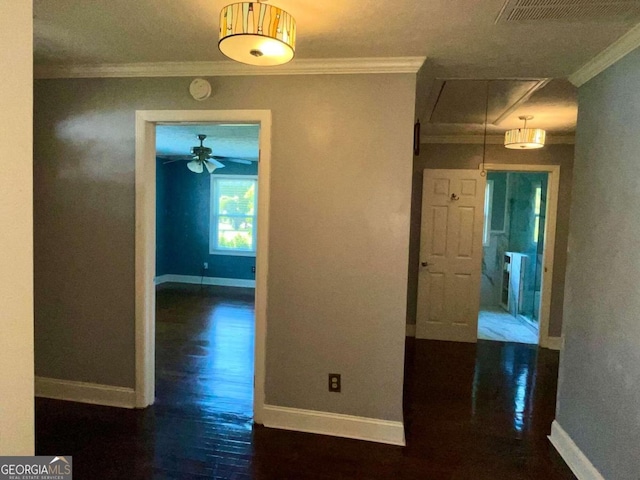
(206, 265)
(253, 269)
(335, 384)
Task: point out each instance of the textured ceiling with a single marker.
(459, 108)
(237, 141)
(459, 36)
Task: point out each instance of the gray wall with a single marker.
(470, 156)
(340, 209)
(599, 385)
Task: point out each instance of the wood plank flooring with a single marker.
(472, 411)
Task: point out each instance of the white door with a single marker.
(450, 255)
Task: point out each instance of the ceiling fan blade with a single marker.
(245, 161)
(212, 166)
(195, 166)
(215, 162)
(239, 160)
(176, 160)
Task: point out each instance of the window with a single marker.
(233, 215)
(537, 204)
(488, 205)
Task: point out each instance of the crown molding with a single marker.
(326, 66)
(491, 139)
(614, 52)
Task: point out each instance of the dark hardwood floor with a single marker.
(472, 411)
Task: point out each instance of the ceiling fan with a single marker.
(201, 157)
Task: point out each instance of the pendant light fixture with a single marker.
(257, 34)
(525, 138)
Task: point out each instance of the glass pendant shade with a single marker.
(257, 34)
(195, 166)
(525, 138)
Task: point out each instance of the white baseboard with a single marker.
(192, 279)
(554, 343)
(85, 392)
(337, 425)
(411, 330)
(572, 455)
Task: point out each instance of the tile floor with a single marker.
(496, 324)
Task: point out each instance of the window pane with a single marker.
(488, 199)
(538, 200)
(235, 233)
(236, 197)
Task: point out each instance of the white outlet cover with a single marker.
(200, 89)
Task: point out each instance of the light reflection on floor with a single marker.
(504, 384)
(205, 354)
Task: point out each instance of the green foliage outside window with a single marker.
(235, 214)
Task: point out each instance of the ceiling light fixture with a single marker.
(257, 34)
(525, 138)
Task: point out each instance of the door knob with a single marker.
(424, 264)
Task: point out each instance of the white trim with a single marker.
(326, 66)
(194, 280)
(335, 424)
(84, 392)
(614, 52)
(577, 461)
(555, 343)
(491, 139)
(553, 187)
(411, 330)
(145, 245)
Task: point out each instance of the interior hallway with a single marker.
(472, 412)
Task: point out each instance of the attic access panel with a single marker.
(465, 101)
(569, 10)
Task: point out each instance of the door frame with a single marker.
(145, 242)
(553, 188)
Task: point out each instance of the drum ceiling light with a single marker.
(257, 34)
(525, 138)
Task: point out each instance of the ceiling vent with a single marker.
(569, 10)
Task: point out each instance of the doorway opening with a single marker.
(206, 231)
(451, 254)
(237, 229)
(514, 228)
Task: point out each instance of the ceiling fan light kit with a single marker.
(525, 138)
(202, 157)
(257, 34)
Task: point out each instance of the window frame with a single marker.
(213, 223)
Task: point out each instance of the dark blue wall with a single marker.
(499, 199)
(182, 223)
(161, 215)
